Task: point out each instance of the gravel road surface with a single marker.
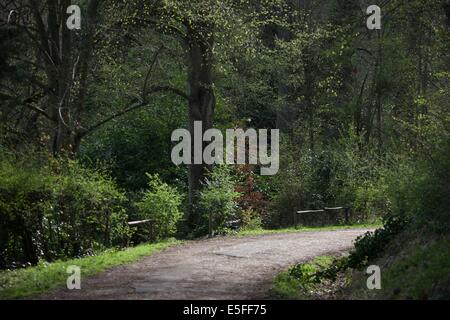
(219, 268)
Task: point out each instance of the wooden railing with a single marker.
(149, 221)
(132, 223)
(324, 210)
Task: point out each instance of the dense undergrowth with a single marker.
(54, 208)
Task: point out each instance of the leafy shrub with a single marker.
(367, 248)
(372, 245)
(304, 272)
(218, 200)
(420, 272)
(418, 198)
(161, 203)
(250, 220)
(420, 191)
(291, 198)
(91, 208)
(417, 192)
(301, 280)
(53, 208)
(370, 201)
(22, 195)
(252, 191)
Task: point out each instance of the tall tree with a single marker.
(198, 27)
(57, 65)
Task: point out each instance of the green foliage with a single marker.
(93, 203)
(422, 274)
(356, 178)
(52, 208)
(419, 190)
(363, 116)
(286, 287)
(300, 280)
(289, 198)
(417, 193)
(137, 142)
(367, 248)
(218, 200)
(343, 173)
(373, 244)
(250, 220)
(307, 272)
(161, 204)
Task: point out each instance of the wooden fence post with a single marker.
(210, 231)
(295, 219)
(151, 221)
(347, 215)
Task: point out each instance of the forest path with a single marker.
(218, 268)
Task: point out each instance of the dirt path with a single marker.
(220, 268)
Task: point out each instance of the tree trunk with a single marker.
(379, 104)
(201, 106)
(66, 65)
(309, 93)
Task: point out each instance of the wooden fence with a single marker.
(149, 221)
(332, 212)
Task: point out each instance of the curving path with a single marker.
(219, 268)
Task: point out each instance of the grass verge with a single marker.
(299, 282)
(255, 232)
(31, 281)
(418, 273)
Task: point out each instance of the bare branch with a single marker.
(28, 103)
(136, 106)
(176, 91)
(147, 77)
